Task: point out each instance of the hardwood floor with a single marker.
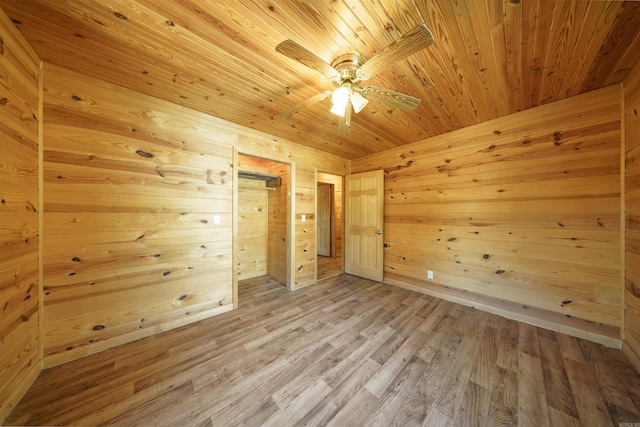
(329, 267)
(345, 352)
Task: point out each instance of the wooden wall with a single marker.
(20, 361)
(337, 207)
(132, 185)
(278, 224)
(631, 344)
(305, 226)
(253, 220)
(520, 215)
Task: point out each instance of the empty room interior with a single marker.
(349, 213)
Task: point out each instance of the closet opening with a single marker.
(262, 207)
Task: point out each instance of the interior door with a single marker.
(324, 220)
(364, 224)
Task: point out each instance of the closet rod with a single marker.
(242, 187)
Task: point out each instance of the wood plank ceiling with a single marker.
(489, 59)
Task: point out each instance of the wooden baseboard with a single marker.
(602, 334)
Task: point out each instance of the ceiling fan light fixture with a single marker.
(338, 109)
(340, 98)
(358, 101)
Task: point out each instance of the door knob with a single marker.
(379, 232)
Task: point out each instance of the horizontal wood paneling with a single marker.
(519, 215)
(132, 185)
(305, 244)
(631, 345)
(20, 360)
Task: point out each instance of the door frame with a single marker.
(332, 214)
(334, 219)
(290, 221)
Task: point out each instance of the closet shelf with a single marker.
(271, 181)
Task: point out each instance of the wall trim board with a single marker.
(623, 210)
(234, 233)
(41, 212)
(631, 302)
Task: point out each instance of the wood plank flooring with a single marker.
(345, 352)
(329, 267)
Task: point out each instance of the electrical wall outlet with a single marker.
(303, 218)
(429, 274)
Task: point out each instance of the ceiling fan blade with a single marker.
(393, 98)
(411, 42)
(294, 51)
(304, 104)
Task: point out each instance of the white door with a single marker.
(364, 224)
(324, 220)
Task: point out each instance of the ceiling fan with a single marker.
(347, 71)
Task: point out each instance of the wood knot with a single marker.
(75, 259)
(452, 239)
(499, 271)
(566, 302)
(165, 273)
(169, 23)
(635, 290)
(120, 15)
(486, 256)
(144, 154)
(497, 132)
(4, 101)
(98, 327)
(183, 297)
(76, 98)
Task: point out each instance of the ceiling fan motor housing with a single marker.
(347, 65)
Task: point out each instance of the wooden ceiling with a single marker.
(490, 57)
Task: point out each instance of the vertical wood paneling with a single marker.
(20, 360)
(132, 184)
(519, 215)
(631, 345)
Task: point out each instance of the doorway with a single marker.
(262, 217)
(329, 225)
